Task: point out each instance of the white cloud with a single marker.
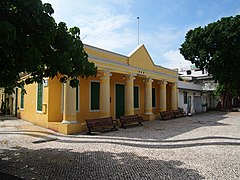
(162, 45)
(173, 59)
(108, 24)
(100, 22)
(105, 24)
(105, 29)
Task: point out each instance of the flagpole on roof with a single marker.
(138, 29)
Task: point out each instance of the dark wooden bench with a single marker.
(100, 124)
(177, 113)
(166, 115)
(182, 111)
(130, 119)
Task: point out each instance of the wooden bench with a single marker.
(130, 119)
(101, 124)
(182, 111)
(177, 113)
(166, 115)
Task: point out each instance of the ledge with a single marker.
(65, 128)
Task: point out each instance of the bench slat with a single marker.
(100, 124)
(166, 115)
(177, 113)
(130, 119)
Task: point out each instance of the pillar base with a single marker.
(148, 117)
(162, 109)
(65, 128)
(105, 114)
(157, 116)
(129, 113)
(70, 122)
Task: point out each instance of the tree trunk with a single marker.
(226, 100)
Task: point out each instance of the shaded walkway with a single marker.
(66, 164)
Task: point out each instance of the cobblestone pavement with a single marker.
(205, 146)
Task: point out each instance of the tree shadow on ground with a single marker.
(67, 164)
(7, 117)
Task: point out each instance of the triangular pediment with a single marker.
(140, 58)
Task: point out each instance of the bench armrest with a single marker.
(139, 117)
(89, 125)
(115, 121)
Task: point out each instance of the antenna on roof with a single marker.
(138, 29)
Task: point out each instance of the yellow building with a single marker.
(124, 85)
(6, 103)
(2, 100)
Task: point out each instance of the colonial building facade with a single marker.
(124, 85)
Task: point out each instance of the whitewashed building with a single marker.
(190, 98)
(195, 92)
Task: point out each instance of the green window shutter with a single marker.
(95, 95)
(39, 96)
(77, 98)
(136, 97)
(22, 98)
(153, 97)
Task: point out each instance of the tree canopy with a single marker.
(216, 47)
(32, 43)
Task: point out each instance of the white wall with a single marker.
(192, 90)
(181, 99)
(190, 86)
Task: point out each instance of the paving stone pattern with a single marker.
(205, 146)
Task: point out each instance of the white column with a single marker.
(148, 96)
(105, 93)
(69, 112)
(163, 96)
(174, 101)
(129, 98)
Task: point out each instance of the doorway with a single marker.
(120, 102)
(197, 104)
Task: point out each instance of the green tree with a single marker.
(216, 47)
(33, 44)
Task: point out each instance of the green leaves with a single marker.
(47, 8)
(7, 33)
(31, 42)
(216, 47)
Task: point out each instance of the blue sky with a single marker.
(112, 24)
